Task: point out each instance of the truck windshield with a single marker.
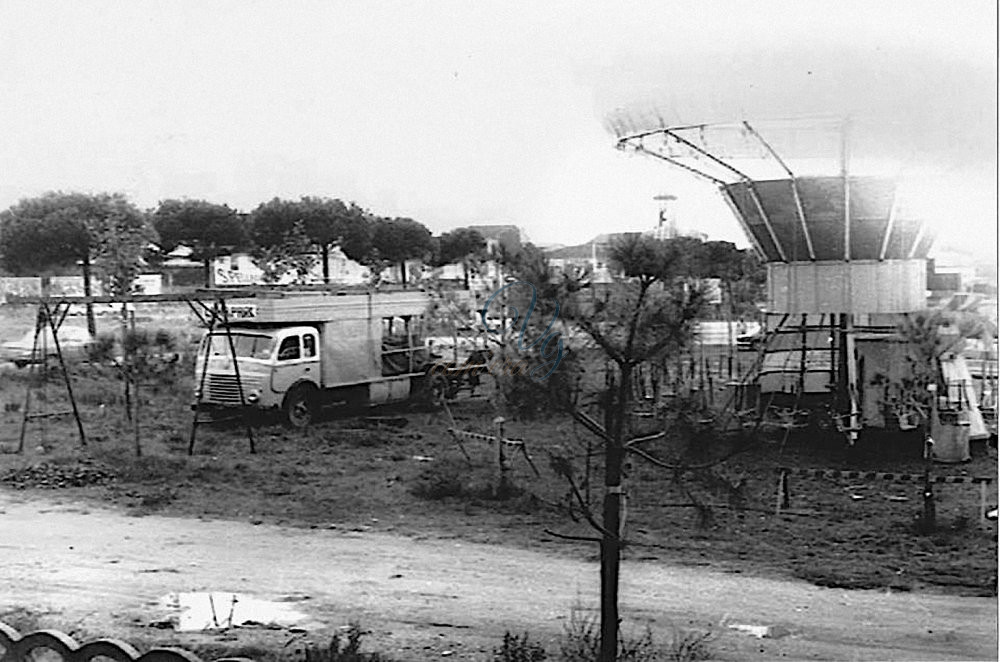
(246, 345)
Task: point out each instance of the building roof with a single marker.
(583, 251)
(598, 244)
(497, 231)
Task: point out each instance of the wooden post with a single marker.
(982, 504)
(135, 388)
(501, 457)
(782, 499)
(199, 394)
(65, 373)
(928, 522)
(39, 328)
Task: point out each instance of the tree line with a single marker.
(107, 236)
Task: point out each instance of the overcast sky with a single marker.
(458, 113)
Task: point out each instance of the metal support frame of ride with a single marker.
(219, 312)
(47, 317)
(799, 211)
(61, 308)
(636, 142)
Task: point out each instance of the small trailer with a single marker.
(298, 351)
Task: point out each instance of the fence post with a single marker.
(928, 521)
(982, 504)
(501, 456)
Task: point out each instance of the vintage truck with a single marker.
(299, 351)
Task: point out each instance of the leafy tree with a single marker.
(120, 241)
(208, 229)
(59, 230)
(463, 245)
(293, 254)
(397, 240)
(326, 223)
(648, 315)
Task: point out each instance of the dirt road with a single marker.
(103, 572)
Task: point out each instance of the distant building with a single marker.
(592, 257)
(239, 269)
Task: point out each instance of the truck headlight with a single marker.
(253, 397)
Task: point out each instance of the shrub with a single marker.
(525, 398)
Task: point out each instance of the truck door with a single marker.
(297, 359)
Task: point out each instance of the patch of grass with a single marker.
(148, 468)
(441, 480)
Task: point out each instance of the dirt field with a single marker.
(95, 570)
(412, 483)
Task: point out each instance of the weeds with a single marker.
(348, 650)
(581, 638)
(691, 645)
(581, 642)
(519, 649)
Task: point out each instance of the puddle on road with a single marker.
(219, 610)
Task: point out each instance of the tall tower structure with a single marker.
(666, 227)
(845, 259)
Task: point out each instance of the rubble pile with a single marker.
(54, 476)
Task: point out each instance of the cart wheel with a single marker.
(433, 391)
(300, 407)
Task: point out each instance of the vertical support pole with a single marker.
(711, 384)
(65, 374)
(502, 486)
(852, 378)
(803, 328)
(127, 368)
(982, 504)
(236, 371)
(844, 160)
(833, 352)
(782, 499)
(44, 364)
(135, 391)
(27, 390)
(928, 521)
(199, 394)
(409, 344)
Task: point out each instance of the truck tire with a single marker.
(300, 407)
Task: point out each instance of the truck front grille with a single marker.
(224, 390)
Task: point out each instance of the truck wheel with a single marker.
(300, 407)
